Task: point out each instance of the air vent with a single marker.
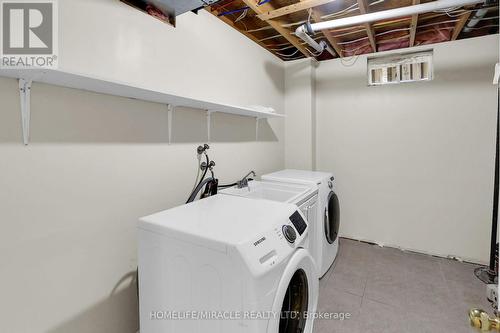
(410, 67)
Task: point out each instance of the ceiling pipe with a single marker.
(475, 19)
(319, 47)
(304, 31)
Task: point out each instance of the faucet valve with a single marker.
(244, 182)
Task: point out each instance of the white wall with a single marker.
(414, 162)
(70, 200)
(200, 58)
(301, 118)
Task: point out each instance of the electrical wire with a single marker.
(346, 62)
(287, 55)
(260, 29)
(391, 40)
(457, 12)
(270, 37)
(391, 31)
(352, 41)
(487, 18)
(341, 12)
(296, 58)
(312, 53)
(242, 16)
(351, 8)
(447, 10)
(277, 47)
(234, 11)
(394, 30)
(287, 25)
(218, 8)
(386, 23)
(282, 48)
(349, 33)
(375, 3)
(485, 26)
(437, 23)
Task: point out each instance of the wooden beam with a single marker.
(363, 8)
(231, 23)
(316, 15)
(460, 25)
(296, 7)
(413, 26)
(276, 24)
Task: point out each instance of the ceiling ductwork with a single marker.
(475, 19)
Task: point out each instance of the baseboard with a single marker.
(438, 255)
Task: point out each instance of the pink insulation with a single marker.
(436, 34)
(357, 48)
(397, 40)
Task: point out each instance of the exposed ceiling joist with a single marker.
(363, 8)
(413, 26)
(328, 35)
(460, 25)
(296, 7)
(277, 25)
(316, 15)
(232, 24)
(348, 34)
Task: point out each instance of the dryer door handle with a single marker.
(327, 223)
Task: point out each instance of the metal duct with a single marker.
(475, 20)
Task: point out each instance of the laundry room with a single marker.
(253, 166)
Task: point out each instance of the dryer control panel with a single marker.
(298, 222)
(268, 250)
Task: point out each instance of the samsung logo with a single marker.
(259, 241)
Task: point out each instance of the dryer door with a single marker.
(332, 217)
(296, 296)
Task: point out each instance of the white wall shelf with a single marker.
(98, 85)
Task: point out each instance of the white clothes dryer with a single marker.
(328, 220)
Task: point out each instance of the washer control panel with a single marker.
(298, 222)
(270, 248)
(289, 233)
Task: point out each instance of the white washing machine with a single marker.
(328, 211)
(305, 197)
(226, 264)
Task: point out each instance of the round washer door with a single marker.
(332, 217)
(296, 296)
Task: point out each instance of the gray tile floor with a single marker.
(386, 290)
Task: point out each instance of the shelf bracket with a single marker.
(170, 109)
(25, 97)
(209, 124)
(257, 120)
